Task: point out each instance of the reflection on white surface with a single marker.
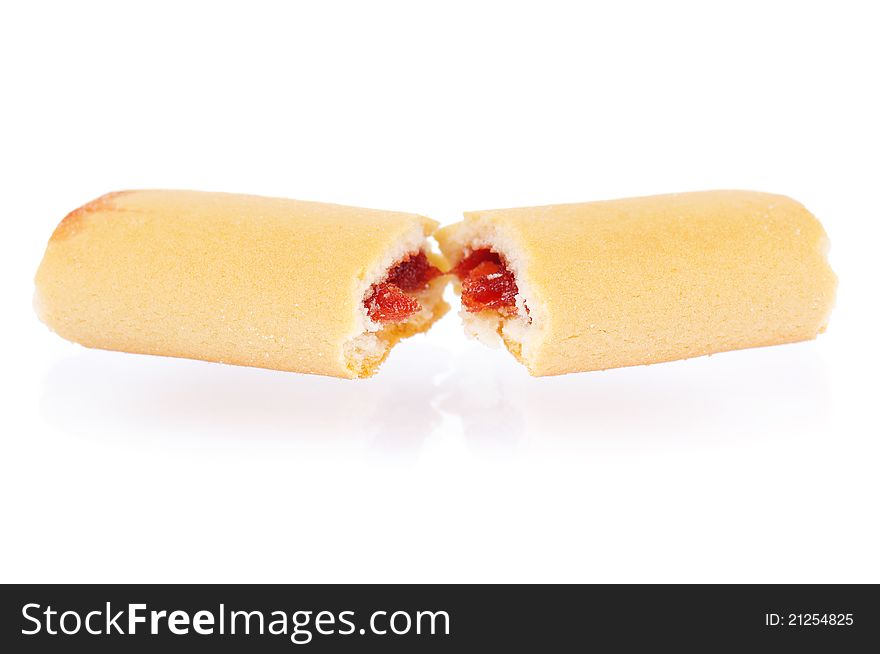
(496, 406)
(97, 392)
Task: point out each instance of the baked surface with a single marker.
(651, 279)
(236, 279)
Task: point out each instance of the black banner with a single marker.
(435, 618)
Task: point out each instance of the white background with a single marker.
(452, 464)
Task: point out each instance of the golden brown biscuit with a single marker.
(600, 285)
(238, 279)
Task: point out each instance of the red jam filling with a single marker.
(486, 283)
(388, 300)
